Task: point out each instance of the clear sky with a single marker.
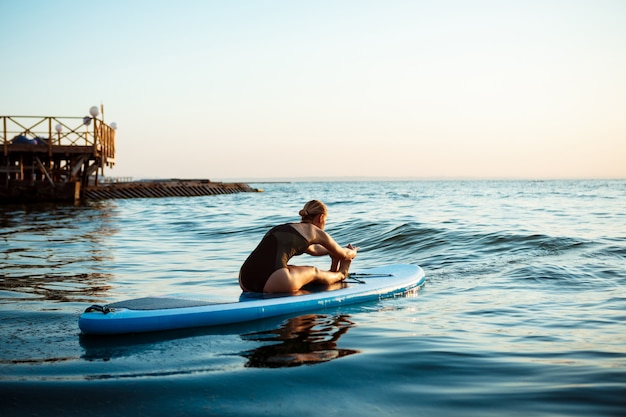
(290, 89)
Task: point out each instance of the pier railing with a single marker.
(60, 131)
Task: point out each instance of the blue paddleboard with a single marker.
(151, 314)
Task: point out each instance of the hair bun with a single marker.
(312, 209)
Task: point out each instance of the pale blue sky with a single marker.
(290, 89)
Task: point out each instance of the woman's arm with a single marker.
(332, 248)
(317, 250)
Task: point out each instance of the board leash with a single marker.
(356, 276)
(362, 274)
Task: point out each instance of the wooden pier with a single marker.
(62, 159)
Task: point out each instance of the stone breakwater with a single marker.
(164, 188)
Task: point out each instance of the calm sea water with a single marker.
(522, 312)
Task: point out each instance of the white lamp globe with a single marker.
(114, 126)
(94, 111)
(58, 128)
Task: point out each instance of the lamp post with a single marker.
(94, 112)
(86, 122)
(59, 129)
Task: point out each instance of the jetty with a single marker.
(62, 159)
(163, 188)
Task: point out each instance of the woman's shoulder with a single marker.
(307, 230)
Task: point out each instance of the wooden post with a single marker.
(50, 137)
(6, 144)
(95, 133)
(76, 191)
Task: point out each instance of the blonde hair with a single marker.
(311, 209)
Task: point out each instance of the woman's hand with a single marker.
(351, 251)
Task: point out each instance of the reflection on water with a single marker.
(55, 253)
(302, 340)
(55, 288)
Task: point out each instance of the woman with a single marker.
(267, 269)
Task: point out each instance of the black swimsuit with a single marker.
(274, 251)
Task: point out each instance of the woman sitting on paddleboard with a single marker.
(267, 269)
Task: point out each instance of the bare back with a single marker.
(315, 235)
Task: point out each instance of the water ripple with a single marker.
(522, 312)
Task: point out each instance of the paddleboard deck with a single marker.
(149, 314)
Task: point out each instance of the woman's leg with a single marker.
(334, 265)
(293, 278)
